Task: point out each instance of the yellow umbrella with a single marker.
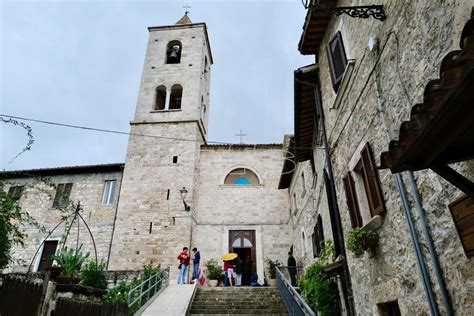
(229, 256)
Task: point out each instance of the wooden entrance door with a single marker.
(49, 249)
(243, 241)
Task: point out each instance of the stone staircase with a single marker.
(237, 300)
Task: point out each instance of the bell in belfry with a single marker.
(174, 54)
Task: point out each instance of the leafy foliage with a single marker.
(321, 295)
(360, 240)
(93, 274)
(271, 266)
(213, 269)
(70, 260)
(11, 219)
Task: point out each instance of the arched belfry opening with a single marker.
(160, 98)
(173, 52)
(175, 97)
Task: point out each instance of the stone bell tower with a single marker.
(169, 126)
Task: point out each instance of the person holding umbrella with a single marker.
(229, 267)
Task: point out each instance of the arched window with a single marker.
(241, 176)
(175, 97)
(173, 52)
(160, 98)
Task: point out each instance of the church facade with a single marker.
(175, 189)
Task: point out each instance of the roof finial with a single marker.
(186, 7)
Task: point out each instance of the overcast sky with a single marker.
(80, 62)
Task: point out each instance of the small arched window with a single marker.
(175, 97)
(173, 52)
(241, 176)
(160, 98)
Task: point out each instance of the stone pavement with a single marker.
(174, 301)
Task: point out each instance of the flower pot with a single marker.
(271, 282)
(212, 283)
(370, 242)
(68, 279)
(55, 272)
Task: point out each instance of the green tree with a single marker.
(12, 217)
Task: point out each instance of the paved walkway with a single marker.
(173, 301)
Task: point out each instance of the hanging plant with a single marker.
(360, 240)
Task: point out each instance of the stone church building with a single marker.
(175, 189)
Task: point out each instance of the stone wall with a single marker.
(385, 83)
(37, 200)
(222, 207)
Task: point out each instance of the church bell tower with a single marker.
(169, 126)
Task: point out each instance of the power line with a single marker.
(127, 133)
(104, 130)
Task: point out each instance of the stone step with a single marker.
(238, 304)
(239, 311)
(241, 314)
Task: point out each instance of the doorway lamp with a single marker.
(183, 193)
(362, 12)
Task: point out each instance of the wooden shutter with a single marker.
(61, 198)
(332, 215)
(318, 237)
(351, 199)
(15, 192)
(462, 212)
(371, 182)
(337, 60)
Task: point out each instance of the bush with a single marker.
(214, 270)
(93, 274)
(360, 240)
(70, 260)
(321, 295)
(271, 266)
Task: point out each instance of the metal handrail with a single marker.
(153, 282)
(293, 301)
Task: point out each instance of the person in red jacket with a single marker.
(183, 258)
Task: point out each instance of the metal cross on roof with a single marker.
(186, 7)
(241, 135)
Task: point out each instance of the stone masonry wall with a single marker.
(385, 83)
(221, 207)
(37, 200)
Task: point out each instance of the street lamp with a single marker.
(183, 193)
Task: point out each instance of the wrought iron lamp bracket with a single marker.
(362, 12)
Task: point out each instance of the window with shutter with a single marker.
(337, 60)
(371, 181)
(61, 197)
(332, 214)
(318, 237)
(16, 192)
(352, 203)
(462, 212)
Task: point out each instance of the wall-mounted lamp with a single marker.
(183, 193)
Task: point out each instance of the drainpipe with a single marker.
(115, 220)
(431, 249)
(416, 244)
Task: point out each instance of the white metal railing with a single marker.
(294, 303)
(147, 288)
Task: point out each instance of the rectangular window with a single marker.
(318, 237)
(303, 184)
(373, 190)
(61, 198)
(175, 159)
(109, 190)
(16, 192)
(462, 212)
(337, 60)
(351, 199)
(389, 309)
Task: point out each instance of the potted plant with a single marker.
(362, 239)
(70, 261)
(213, 271)
(93, 275)
(271, 267)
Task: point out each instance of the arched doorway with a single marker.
(242, 242)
